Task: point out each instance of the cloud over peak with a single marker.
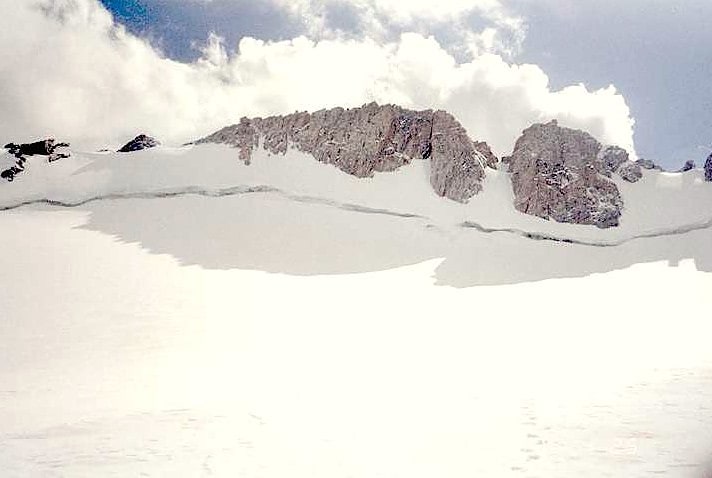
(72, 72)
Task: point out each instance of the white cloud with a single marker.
(70, 72)
(380, 19)
(398, 11)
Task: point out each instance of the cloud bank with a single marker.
(71, 72)
(502, 30)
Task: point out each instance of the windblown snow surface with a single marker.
(173, 312)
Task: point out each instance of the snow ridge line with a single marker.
(538, 236)
(190, 191)
(240, 190)
(214, 193)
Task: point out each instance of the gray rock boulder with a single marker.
(560, 173)
(614, 159)
(630, 172)
(370, 139)
(140, 142)
(609, 159)
(708, 168)
(648, 164)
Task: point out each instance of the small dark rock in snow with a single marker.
(708, 169)
(140, 142)
(689, 166)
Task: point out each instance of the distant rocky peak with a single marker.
(140, 142)
(369, 139)
(563, 174)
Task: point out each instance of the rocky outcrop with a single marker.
(614, 159)
(630, 172)
(46, 147)
(708, 168)
(456, 167)
(370, 139)
(140, 142)
(483, 148)
(563, 174)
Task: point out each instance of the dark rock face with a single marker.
(562, 174)
(688, 166)
(708, 168)
(648, 164)
(47, 147)
(372, 138)
(138, 143)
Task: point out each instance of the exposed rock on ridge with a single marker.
(688, 166)
(708, 168)
(372, 138)
(562, 174)
(140, 142)
(46, 147)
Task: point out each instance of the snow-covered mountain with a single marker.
(199, 310)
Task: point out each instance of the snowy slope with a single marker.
(662, 203)
(173, 312)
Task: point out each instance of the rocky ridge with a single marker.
(557, 173)
(564, 174)
(708, 169)
(370, 139)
